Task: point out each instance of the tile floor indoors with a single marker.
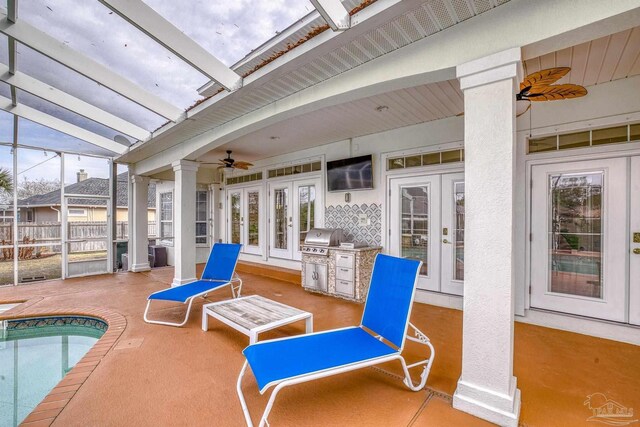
(184, 376)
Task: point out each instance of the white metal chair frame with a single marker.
(236, 288)
(419, 338)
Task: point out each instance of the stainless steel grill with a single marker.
(316, 250)
(318, 240)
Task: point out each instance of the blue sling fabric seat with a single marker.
(218, 273)
(379, 338)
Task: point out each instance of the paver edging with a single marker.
(44, 414)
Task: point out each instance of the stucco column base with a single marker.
(497, 408)
(139, 224)
(184, 220)
(137, 268)
(487, 387)
(179, 282)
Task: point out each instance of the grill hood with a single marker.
(324, 237)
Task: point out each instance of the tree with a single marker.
(36, 186)
(6, 185)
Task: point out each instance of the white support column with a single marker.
(487, 387)
(139, 224)
(184, 221)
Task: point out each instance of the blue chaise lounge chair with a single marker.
(218, 273)
(380, 338)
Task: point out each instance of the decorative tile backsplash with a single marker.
(346, 218)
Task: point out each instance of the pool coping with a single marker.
(46, 412)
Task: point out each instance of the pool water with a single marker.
(35, 354)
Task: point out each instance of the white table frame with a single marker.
(208, 310)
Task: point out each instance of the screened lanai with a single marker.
(81, 81)
(124, 125)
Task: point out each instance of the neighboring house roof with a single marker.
(90, 186)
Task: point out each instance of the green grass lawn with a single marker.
(46, 268)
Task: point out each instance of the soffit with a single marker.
(353, 119)
(413, 20)
(602, 60)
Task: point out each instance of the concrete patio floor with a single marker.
(184, 376)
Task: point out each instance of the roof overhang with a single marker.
(429, 59)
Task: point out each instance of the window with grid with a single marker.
(201, 217)
(166, 215)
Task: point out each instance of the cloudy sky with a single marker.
(227, 29)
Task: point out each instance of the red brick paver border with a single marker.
(46, 412)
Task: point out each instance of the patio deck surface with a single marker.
(184, 376)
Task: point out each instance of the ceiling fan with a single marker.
(230, 163)
(539, 86)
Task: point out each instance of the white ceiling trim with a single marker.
(71, 103)
(48, 46)
(163, 32)
(334, 13)
(60, 125)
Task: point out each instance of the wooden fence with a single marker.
(51, 232)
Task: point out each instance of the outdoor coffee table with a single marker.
(254, 314)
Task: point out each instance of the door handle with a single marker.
(636, 251)
(445, 241)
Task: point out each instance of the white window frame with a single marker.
(166, 240)
(204, 221)
(81, 212)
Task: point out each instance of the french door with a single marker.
(427, 223)
(584, 217)
(295, 207)
(244, 218)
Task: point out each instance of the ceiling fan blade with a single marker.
(544, 77)
(243, 167)
(239, 163)
(556, 92)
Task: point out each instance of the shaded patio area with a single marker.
(184, 376)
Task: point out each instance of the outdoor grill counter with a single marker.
(330, 269)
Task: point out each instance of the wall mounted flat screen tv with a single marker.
(355, 173)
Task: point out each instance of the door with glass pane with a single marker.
(579, 242)
(415, 224)
(244, 222)
(634, 239)
(294, 210)
(281, 220)
(452, 233)
(305, 214)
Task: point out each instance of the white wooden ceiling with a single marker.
(613, 57)
(403, 108)
(599, 61)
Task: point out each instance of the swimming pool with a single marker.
(35, 354)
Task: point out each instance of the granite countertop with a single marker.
(362, 249)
